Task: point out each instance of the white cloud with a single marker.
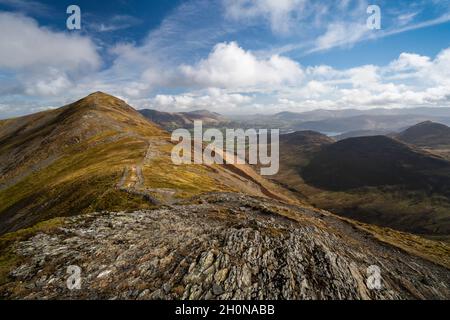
(212, 99)
(50, 83)
(406, 18)
(439, 71)
(39, 61)
(24, 44)
(183, 56)
(365, 76)
(117, 22)
(411, 80)
(410, 61)
(230, 66)
(340, 34)
(279, 13)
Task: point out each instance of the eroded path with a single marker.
(133, 181)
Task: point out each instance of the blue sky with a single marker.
(229, 56)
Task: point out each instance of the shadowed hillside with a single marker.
(376, 161)
(426, 134)
(376, 180)
(430, 136)
(296, 150)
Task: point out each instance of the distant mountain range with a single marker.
(173, 120)
(341, 124)
(322, 114)
(363, 122)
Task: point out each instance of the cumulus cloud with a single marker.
(24, 44)
(49, 83)
(195, 69)
(230, 66)
(39, 61)
(411, 80)
(410, 61)
(212, 99)
(439, 70)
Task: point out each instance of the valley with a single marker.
(377, 180)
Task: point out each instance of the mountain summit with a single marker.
(80, 157)
(426, 134)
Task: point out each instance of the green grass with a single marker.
(82, 181)
(435, 251)
(187, 180)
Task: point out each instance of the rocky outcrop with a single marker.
(218, 246)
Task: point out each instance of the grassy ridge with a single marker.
(78, 182)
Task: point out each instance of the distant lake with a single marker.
(331, 134)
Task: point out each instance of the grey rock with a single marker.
(190, 251)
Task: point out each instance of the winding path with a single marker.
(133, 181)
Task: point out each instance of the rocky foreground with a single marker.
(219, 246)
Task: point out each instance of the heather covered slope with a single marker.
(28, 141)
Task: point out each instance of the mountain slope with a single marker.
(67, 161)
(381, 181)
(92, 184)
(99, 154)
(223, 246)
(376, 161)
(173, 120)
(376, 180)
(296, 150)
(426, 134)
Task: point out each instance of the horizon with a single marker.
(227, 56)
(193, 110)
